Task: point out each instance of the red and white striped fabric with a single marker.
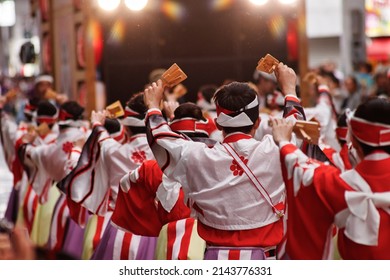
(234, 254)
(94, 230)
(126, 246)
(102, 222)
(58, 223)
(30, 204)
(31, 199)
(117, 244)
(179, 240)
(223, 253)
(246, 253)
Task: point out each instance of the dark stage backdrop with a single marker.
(210, 45)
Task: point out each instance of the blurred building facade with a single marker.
(336, 31)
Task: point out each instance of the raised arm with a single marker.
(169, 148)
(287, 80)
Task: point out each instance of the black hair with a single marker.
(330, 75)
(234, 97)
(354, 80)
(112, 125)
(208, 92)
(190, 110)
(342, 122)
(366, 65)
(137, 104)
(374, 110)
(45, 108)
(34, 103)
(74, 109)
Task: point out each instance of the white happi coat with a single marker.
(211, 178)
(51, 162)
(8, 137)
(102, 164)
(324, 114)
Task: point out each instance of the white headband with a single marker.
(44, 78)
(240, 120)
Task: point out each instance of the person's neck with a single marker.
(236, 136)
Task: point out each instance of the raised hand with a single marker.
(153, 95)
(281, 130)
(287, 79)
(170, 107)
(98, 117)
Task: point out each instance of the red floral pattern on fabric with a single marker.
(139, 157)
(67, 147)
(236, 169)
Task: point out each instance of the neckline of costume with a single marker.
(236, 136)
(138, 135)
(378, 155)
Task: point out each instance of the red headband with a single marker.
(63, 115)
(47, 119)
(29, 108)
(130, 113)
(189, 125)
(370, 133)
(341, 133)
(223, 110)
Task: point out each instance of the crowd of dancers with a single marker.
(225, 178)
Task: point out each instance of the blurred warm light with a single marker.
(220, 5)
(259, 2)
(136, 5)
(28, 70)
(117, 32)
(173, 10)
(288, 2)
(95, 36)
(277, 25)
(109, 5)
(7, 13)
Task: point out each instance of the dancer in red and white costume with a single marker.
(341, 159)
(325, 113)
(148, 199)
(47, 114)
(356, 201)
(50, 163)
(238, 199)
(11, 134)
(93, 184)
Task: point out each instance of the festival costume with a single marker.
(46, 164)
(151, 204)
(93, 185)
(231, 211)
(326, 115)
(356, 201)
